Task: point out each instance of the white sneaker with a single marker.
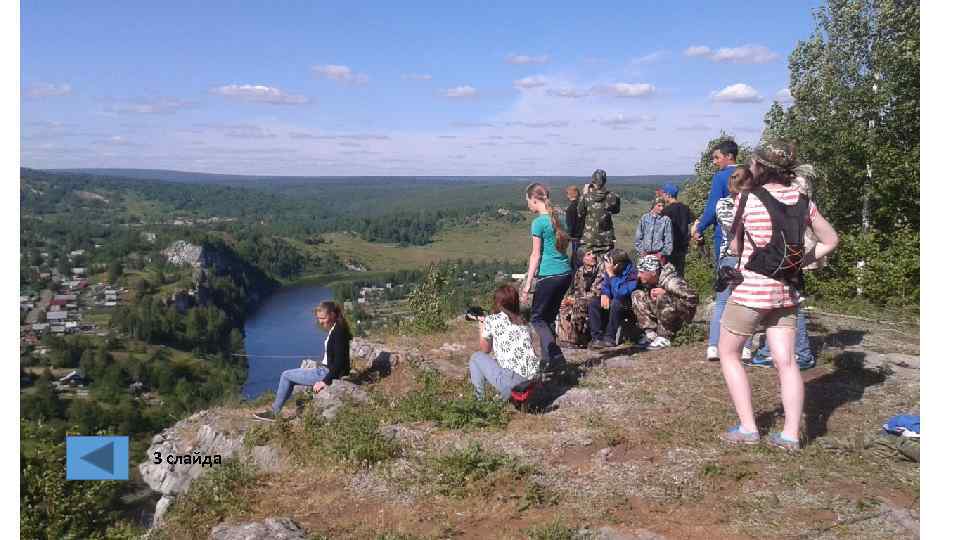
(747, 354)
(659, 343)
(712, 354)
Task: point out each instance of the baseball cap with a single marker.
(670, 189)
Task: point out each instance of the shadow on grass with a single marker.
(380, 368)
(842, 338)
(557, 384)
(827, 393)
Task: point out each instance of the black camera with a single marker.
(727, 276)
(475, 313)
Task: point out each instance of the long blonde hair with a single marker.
(539, 192)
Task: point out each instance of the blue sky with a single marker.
(421, 88)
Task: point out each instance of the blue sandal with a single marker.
(735, 436)
(777, 440)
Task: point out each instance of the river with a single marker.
(281, 333)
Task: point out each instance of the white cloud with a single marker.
(532, 81)
(162, 105)
(258, 93)
(460, 124)
(571, 93)
(463, 91)
(539, 124)
(522, 59)
(697, 50)
(347, 137)
(651, 58)
(336, 72)
(783, 96)
(744, 54)
(621, 120)
(240, 131)
(42, 90)
(625, 89)
(694, 127)
(418, 76)
(737, 93)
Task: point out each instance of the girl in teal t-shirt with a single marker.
(549, 263)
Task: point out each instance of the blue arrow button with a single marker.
(97, 458)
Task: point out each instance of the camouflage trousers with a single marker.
(665, 315)
(573, 326)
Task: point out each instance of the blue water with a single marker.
(282, 326)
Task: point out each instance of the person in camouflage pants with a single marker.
(573, 328)
(595, 209)
(662, 305)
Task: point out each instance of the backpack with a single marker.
(781, 258)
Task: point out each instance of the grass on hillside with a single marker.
(490, 241)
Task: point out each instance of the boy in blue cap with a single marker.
(680, 220)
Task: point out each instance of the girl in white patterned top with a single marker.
(507, 335)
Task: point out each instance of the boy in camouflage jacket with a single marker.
(573, 328)
(595, 210)
(663, 304)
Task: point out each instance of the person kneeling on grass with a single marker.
(335, 363)
(662, 303)
(619, 281)
(507, 335)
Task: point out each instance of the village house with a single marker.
(79, 271)
(56, 316)
(40, 327)
(76, 253)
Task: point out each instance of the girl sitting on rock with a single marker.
(334, 365)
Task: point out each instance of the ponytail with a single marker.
(539, 192)
(334, 309)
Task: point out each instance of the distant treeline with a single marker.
(388, 210)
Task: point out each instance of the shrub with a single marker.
(352, 437)
(437, 400)
(552, 531)
(460, 472)
(217, 494)
(890, 276)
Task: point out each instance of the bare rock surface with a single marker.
(269, 529)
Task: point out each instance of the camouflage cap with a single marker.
(599, 178)
(649, 263)
(777, 153)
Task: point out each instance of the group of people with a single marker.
(586, 297)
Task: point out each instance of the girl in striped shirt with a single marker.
(763, 303)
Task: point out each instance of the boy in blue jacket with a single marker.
(619, 282)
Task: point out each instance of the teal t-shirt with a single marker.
(552, 262)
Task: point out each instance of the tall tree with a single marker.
(856, 116)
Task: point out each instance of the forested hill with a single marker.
(264, 181)
(391, 209)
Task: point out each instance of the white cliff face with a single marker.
(183, 253)
(206, 434)
(221, 432)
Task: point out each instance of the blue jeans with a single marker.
(720, 304)
(291, 377)
(608, 331)
(543, 315)
(574, 246)
(484, 368)
(801, 345)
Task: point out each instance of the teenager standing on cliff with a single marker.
(596, 209)
(551, 267)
